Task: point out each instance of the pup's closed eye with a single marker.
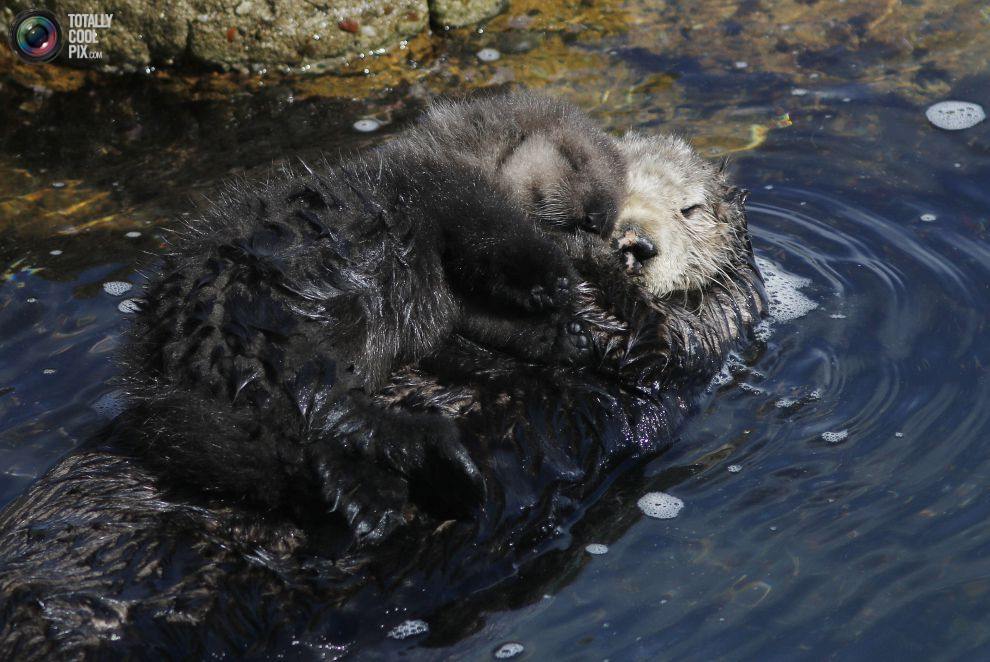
(687, 211)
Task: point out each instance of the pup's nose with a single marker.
(594, 222)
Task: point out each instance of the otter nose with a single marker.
(643, 249)
(594, 222)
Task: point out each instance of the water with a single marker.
(871, 544)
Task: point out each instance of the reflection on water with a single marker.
(833, 485)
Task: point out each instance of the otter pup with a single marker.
(546, 154)
(273, 319)
(671, 230)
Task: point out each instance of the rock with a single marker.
(282, 34)
(457, 13)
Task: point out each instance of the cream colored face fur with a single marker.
(671, 202)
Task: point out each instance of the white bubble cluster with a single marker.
(733, 363)
(928, 218)
(509, 650)
(660, 505)
(734, 468)
(488, 55)
(787, 302)
(596, 548)
(367, 125)
(116, 287)
(955, 115)
(129, 306)
(835, 437)
(407, 629)
(133, 234)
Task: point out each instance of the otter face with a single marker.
(682, 223)
(567, 182)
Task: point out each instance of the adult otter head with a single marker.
(682, 223)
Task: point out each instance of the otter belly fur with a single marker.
(334, 342)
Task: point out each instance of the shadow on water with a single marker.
(871, 540)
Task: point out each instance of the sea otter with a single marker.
(112, 554)
(273, 318)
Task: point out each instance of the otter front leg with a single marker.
(551, 339)
(369, 460)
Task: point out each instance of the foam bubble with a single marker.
(660, 505)
(116, 287)
(734, 468)
(835, 437)
(733, 364)
(787, 302)
(134, 234)
(929, 218)
(596, 548)
(509, 650)
(410, 628)
(367, 125)
(129, 306)
(955, 115)
(55, 252)
(488, 55)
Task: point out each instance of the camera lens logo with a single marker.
(36, 36)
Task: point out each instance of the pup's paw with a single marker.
(574, 342)
(551, 296)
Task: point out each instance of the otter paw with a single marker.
(369, 500)
(574, 343)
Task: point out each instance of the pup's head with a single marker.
(682, 225)
(569, 176)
